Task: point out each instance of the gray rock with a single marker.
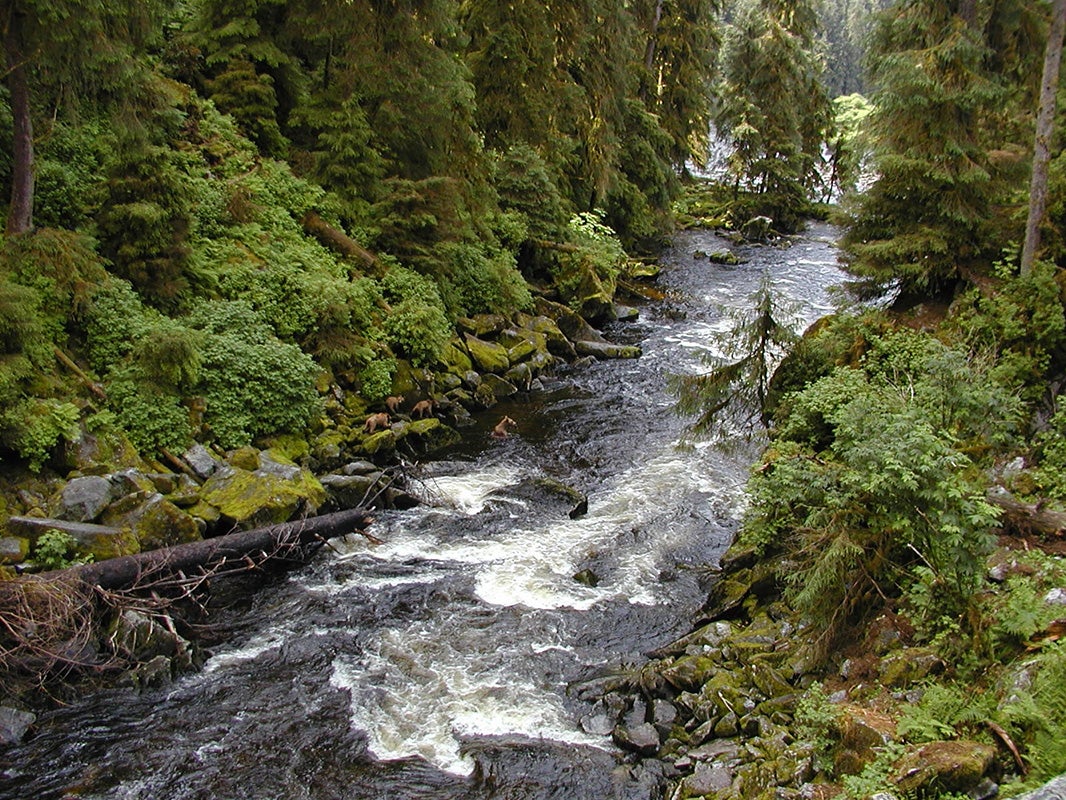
(598, 724)
(359, 468)
(1055, 789)
(201, 461)
(268, 465)
(642, 738)
(1056, 597)
(708, 778)
(14, 724)
(84, 499)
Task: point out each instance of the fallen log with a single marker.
(1027, 518)
(287, 542)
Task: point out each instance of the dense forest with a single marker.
(225, 214)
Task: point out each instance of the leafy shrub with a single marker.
(483, 281)
(153, 418)
(868, 475)
(34, 427)
(67, 167)
(416, 322)
(253, 388)
(56, 549)
(24, 342)
(115, 318)
(376, 379)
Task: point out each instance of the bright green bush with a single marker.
(416, 322)
(873, 471)
(483, 281)
(154, 419)
(56, 549)
(375, 379)
(114, 320)
(253, 383)
(33, 428)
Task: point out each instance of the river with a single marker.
(442, 662)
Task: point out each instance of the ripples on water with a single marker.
(437, 664)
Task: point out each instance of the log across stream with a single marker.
(450, 659)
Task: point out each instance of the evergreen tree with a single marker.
(773, 106)
(59, 53)
(943, 117)
(680, 58)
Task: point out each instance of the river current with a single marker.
(446, 660)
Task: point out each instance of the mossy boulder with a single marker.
(13, 549)
(482, 325)
(487, 356)
(379, 442)
(555, 340)
(454, 359)
(429, 435)
(250, 499)
(955, 766)
(154, 521)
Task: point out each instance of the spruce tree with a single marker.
(773, 106)
(59, 53)
(944, 115)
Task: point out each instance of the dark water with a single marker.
(442, 663)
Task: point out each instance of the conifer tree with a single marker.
(773, 106)
(680, 60)
(57, 53)
(943, 112)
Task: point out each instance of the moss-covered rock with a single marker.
(13, 549)
(250, 499)
(429, 435)
(454, 359)
(246, 458)
(955, 766)
(487, 356)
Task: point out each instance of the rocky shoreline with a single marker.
(746, 706)
(101, 500)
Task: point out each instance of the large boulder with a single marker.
(251, 499)
(952, 766)
(487, 356)
(154, 521)
(84, 499)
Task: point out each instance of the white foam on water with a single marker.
(416, 693)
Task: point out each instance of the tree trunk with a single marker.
(20, 212)
(1028, 518)
(1045, 129)
(290, 541)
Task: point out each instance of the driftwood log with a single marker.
(287, 542)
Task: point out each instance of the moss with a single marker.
(487, 356)
(258, 498)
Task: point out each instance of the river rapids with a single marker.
(443, 662)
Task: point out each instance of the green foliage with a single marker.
(869, 474)
(56, 549)
(875, 777)
(482, 281)
(732, 395)
(253, 384)
(817, 721)
(34, 427)
(375, 379)
(24, 342)
(114, 319)
(416, 322)
(945, 711)
(773, 107)
(943, 113)
(145, 220)
(69, 163)
(152, 417)
(1034, 713)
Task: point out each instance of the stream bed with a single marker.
(441, 662)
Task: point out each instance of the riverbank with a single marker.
(114, 503)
